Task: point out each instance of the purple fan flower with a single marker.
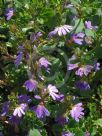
(82, 85)
(62, 30)
(78, 38)
(41, 111)
(1, 134)
(84, 70)
(67, 134)
(24, 98)
(77, 112)
(60, 98)
(62, 120)
(9, 13)
(5, 108)
(72, 66)
(43, 62)
(97, 67)
(53, 92)
(89, 25)
(18, 59)
(15, 120)
(31, 85)
(20, 111)
(38, 34)
(87, 134)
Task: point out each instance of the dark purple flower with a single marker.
(34, 37)
(24, 98)
(53, 92)
(77, 112)
(78, 38)
(1, 134)
(5, 108)
(31, 84)
(20, 110)
(14, 120)
(82, 85)
(84, 70)
(87, 134)
(61, 120)
(72, 66)
(9, 13)
(89, 25)
(43, 62)
(67, 134)
(41, 111)
(18, 59)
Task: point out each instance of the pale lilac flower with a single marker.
(31, 85)
(77, 112)
(24, 98)
(53, 92)
(5, 108)
(9, 13)
(84, 70)
(82, 85)
(63, 30)
(20, 111)
(72, 66)
(41, 111)
(89, 25)
(67, 134)
(78, 38)
(61, 120)
(87, 134)
(43, 62)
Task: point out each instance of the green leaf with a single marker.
(34, 132)
(98, 122)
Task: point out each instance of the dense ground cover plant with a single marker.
(50, 68)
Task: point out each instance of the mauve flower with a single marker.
(53, 92)
(18, 59)
(87, 134)
(20, 111)
(31, 85)
(78, 38)
(72, 66)
(89, 25)
(82, 85)
(43, 62)
(15, 120)
(5, 108)
(77, 112)
(84, 70)
(61, 120)
(67, 134)
(41, 111)
(9, 13)
(24, 98)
